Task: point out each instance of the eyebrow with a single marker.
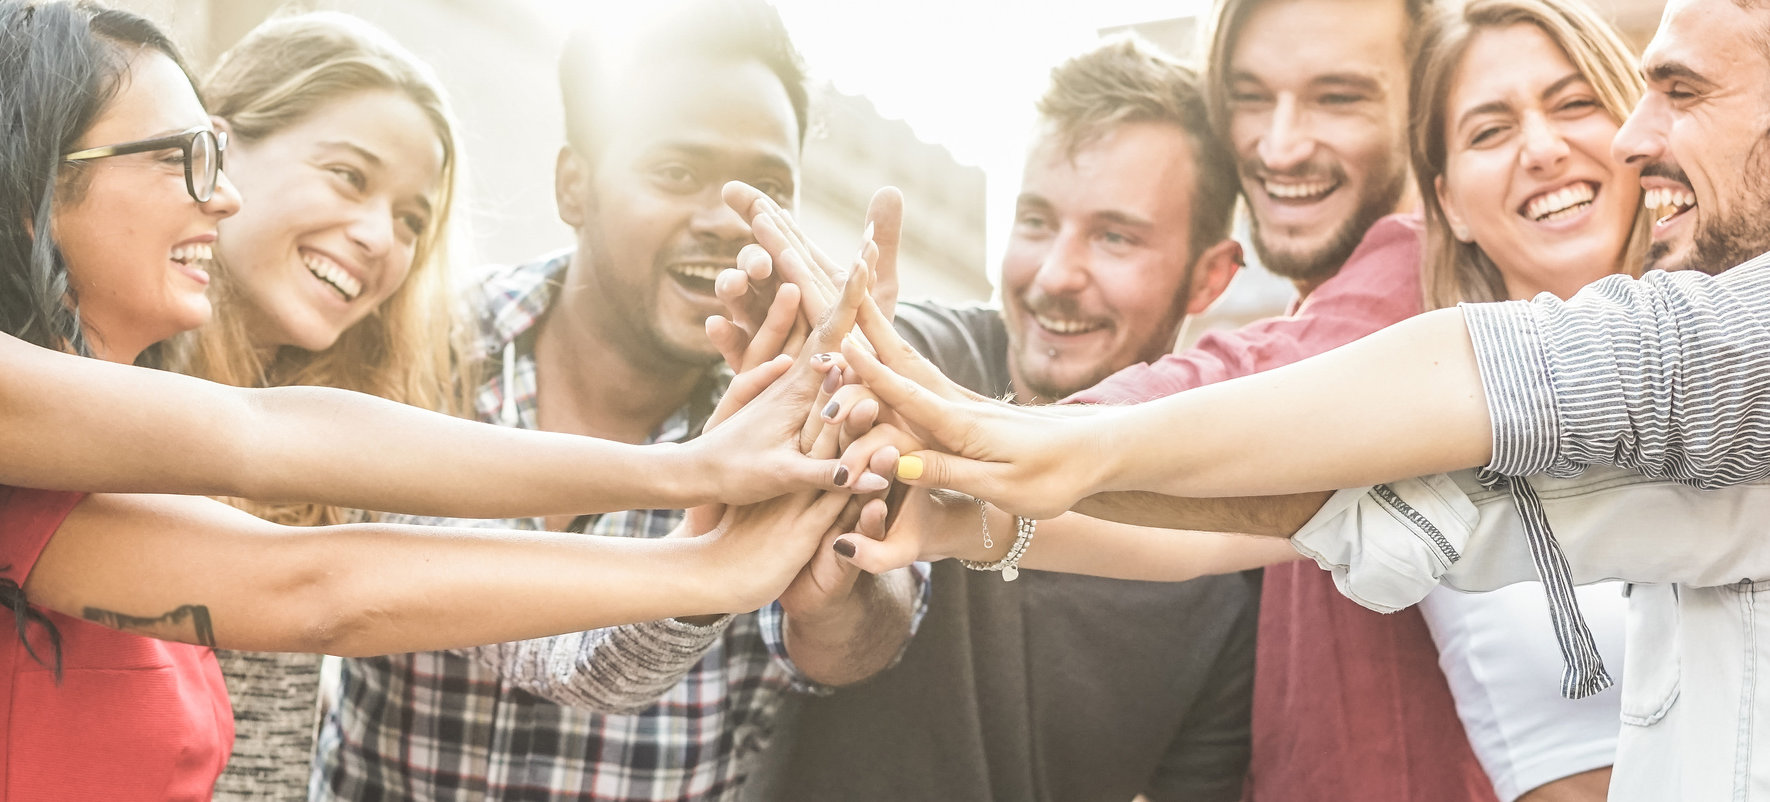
(1122, 218)
(1500, 106)
(1350, 80)
(366, 154)
(770, 161)
(1669, 70)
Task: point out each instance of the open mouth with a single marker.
(196, 252)
(697, 277)
(335, 276)
(1560, 204)
(1665, 203)
(1066, 327)
(1300, 191)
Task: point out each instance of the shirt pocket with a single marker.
(1651, 663)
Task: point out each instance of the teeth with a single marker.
(1563, 202)
(1674, 199)
(702, 272)
(1065, 326)
(331, 273)
(1294, 191)
(194, 252)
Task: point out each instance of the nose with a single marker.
(1544, 148)
(714, 219)
(1065, 268)
(225, 200)
(1286, 144)
(372, 230)
(1641, 139)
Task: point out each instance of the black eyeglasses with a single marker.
(202, 146)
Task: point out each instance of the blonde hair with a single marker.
(1454, 271)
(405, 350)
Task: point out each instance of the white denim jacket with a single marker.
(1696, 611)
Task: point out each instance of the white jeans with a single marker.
(1694, 707)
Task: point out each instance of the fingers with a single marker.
(836, 324)
(776, 328)
(746, 386)
(730, 341)
(924, 410)
(885, 217)
(874, 549)
(876, 451)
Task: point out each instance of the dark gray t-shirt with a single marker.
(1053, 687)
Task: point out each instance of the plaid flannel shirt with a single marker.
(682, 706)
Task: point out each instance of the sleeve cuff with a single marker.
(1520, 392)
(1388, 545)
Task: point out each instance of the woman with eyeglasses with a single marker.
(111, 687)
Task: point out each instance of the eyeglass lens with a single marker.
(205, 165)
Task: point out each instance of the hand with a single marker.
(762, 548)
(928, 525)
(754, 451)
(800, 262)
(1028, 461)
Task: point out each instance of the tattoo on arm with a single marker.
(187, 624)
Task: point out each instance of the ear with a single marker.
(221, 126)
(571, 187)
(1452, 214)
(1211, 274)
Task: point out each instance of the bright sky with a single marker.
(962, 73)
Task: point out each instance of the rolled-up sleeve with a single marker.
(617, 670)
(1387, 545)
(1668, 375)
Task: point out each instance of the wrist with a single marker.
(691, 477)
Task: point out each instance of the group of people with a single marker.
(695, 542)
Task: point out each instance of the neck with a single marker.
(587, 384)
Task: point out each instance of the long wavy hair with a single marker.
(61, 64)
(407, 349)
(1456, 271)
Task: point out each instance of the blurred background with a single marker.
(932, 96)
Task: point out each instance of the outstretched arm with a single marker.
(82, 424)
(198, 571)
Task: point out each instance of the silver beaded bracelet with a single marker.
(1009, 565)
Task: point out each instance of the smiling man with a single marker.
(1348, 704)
(609, 340)
(1063, 687)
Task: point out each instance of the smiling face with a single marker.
(338, 201)
(1094, 277)
(1317, 95)
(1699, 136)
(649, 214)
(135, 242)
(1528, 175)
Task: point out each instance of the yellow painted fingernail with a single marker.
(909, 467)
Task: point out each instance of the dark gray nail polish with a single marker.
(841, 475)
(832, 408)
(843, 548)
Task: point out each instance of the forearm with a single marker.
(1406, 401)
(1078, 544)
(857, 637)
(1277, 516)
(64, 417)
(617, 670)
(177, 568)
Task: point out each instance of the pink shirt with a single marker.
(1348, 703)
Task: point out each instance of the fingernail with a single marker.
(867, 235)
(843, 548)
(820, 357)
(832, 408)
(841, 477)
(909, 468)
(870, 482)
(832, 380)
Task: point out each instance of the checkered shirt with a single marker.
(682, 706)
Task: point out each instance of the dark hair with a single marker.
(1227, 19)
(60, 65)
(725, 30)
(1127, 81)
